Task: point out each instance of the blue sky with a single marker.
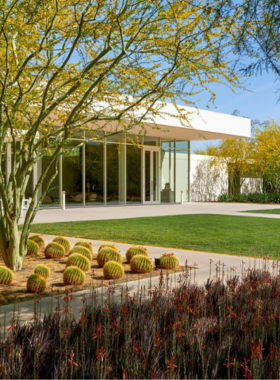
(258, 102)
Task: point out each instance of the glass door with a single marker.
(151, 176)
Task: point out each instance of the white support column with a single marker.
(105, 172)
(63, 200)
(60, 183)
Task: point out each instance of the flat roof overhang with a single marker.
(203, 125)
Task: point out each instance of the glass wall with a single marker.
(94, 162)
(133, 174)
(72, 173)
(109, 171)
(52, 197)
(167, 172)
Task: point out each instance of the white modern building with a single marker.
(156, 170)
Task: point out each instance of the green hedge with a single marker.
(251, 197)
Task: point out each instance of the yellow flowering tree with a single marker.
(68, 64)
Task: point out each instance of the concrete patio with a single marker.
(53, 215)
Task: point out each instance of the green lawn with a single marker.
(273, 211)
(210, 233)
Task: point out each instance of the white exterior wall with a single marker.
(207, 183)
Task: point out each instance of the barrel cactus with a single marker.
(105, 245)
(32, 248)
(85, 244)
(39, 240)
(136, 250)
(54, 251)
(113, 270)
(64, 242)
(73, 276)
(141, 264)
(6, 276)
(42, 270)
(82, 251)
(36, 283)
(78, 261)
(169, 261)
(108, 254)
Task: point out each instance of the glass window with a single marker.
(167, 175)
(134, 139)
(167, 143)
(133, 174)
(182, 175)
(152, 141)
(94, 173)
(182, 144)
(52, 197)
(117, 138)
(95, 135)
(72, 173)
(115, 173)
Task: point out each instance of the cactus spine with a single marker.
(105, 245)
(39, 240)
(85, 244)
(64, 242)
(6, 276)
(169, 261)
(32, 248)
(135, 250)
(36, 283)
(141, 264)
(79, 261)
(42, 270)
(82, 251)
(113, 270)
(108, 254)
(73, 276)
(54, 251)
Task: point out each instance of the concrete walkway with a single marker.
(129, 211)
(224, 266)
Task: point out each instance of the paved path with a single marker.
(207, 262)
(123, 212)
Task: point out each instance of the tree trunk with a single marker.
(13, 259)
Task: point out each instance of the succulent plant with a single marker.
(82, 251)
(78, 261)
(113, 270)
(136, 250)
(6, 276)
(169, 261)
(73, 276)
(85, 244)
(32, 248)
(54, 251)
(141, 264)
(64, 242)
(42, 270)
(107, 245)
(36, 283)
(108, 254)
(39, 240)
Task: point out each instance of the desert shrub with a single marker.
(73, 276)
(218, 331)
(82, 251)
(78, 261)
(36, 284)
(169, 261)
(54, 251)
(141, 264)
(108, 254)
(64, 242)
(39, 240)
(42, 270)
(113, 270)
(32, 248)
(136, 250)
(85, 244)
(6, 276)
